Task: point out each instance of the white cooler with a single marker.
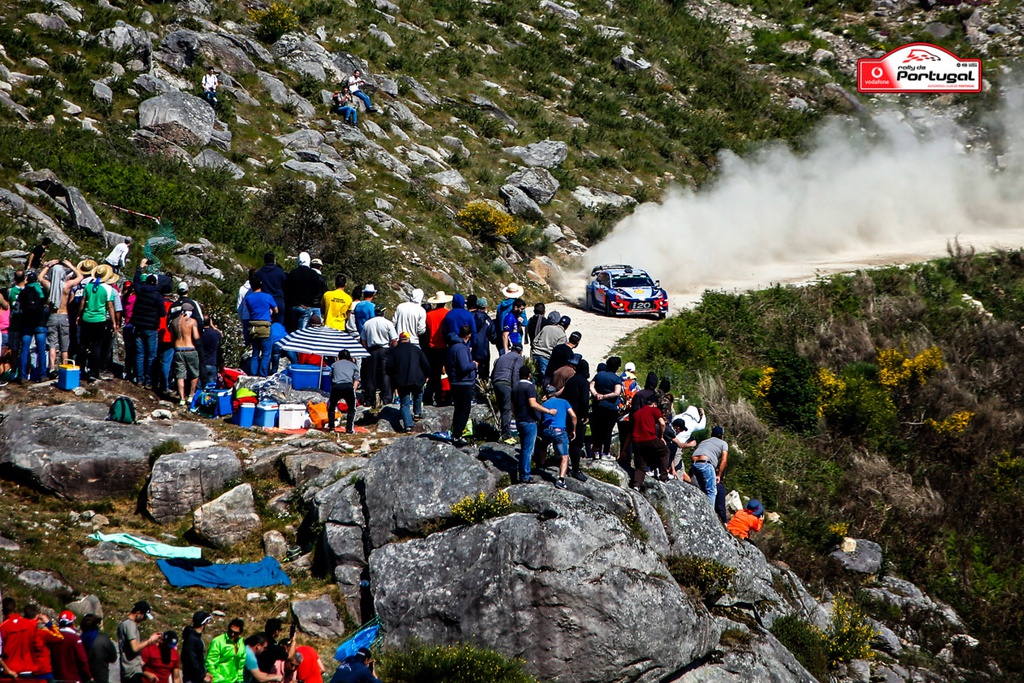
(292, 416)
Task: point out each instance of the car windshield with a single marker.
(631, 281)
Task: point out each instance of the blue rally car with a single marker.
(625, 290)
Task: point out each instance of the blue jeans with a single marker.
(350, 113)
(527, 442)
(704, 473)
(164, 360)
(364, 97)
(260, 365)
(302, 314)
(26, 342)
(541, 365)
(145, 355)
(412, 404)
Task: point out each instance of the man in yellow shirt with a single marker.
(336, 304)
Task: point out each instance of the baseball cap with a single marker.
(66, 618)
(517, 347)
(187, 307)
(182, 286)
(575, 337)
(405, 335)
(755, 507)
(32, 276)
(717, 431)
(316, 263)
(143, 607)
(201, 618)
(363, 652)
(630, 367)
(565, 321)
(481, 302)
(170, 639)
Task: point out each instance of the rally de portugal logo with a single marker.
(919, 67)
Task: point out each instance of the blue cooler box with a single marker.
(68, 377)
(325, 381)
(304, 376)
(244, 416)
(223, 401)
(266, 415)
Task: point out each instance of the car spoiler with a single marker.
(597, 269)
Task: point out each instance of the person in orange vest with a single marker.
(747, 520)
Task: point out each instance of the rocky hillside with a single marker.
(564, 115)
(595, 583)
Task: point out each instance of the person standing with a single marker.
(606, 388)
(211, 352)
(261, 308)
(481, 345)
(512, 326)
(511, 293)
(225, 659)
(336, 304)
(410, 317)
(649, 448)
(99, 647)
(577, 392)
(130, 643)
(503, 379)
(161, 662)
(344, 384)
(527, 410)
(559, 429)
(63, 278)
(193, 650)
(537, 322)
(186, 358)
(147, 313)
(32, 314)
(561, 354)
(118, 256)
(545, 342)
(95, 321)
(462, 379)
(709, 462)
(378, 336)
(210, 84)
(38, 253)
(304, 291)
(437, 347)
(457, 318)
(274, 652)
(365, 309)
(69, 658)
(408, 367)
(273, 278)
(18, 635)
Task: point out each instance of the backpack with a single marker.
(31, 303)
(122, 410)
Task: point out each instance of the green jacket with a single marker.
(225, 661)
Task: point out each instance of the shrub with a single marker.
(896, 369)
(807, 643)
(487, 222)
(849, 635)
(274, 21)
(631, 521)
(791, 392)
(452, 664)
(707, 577)
(475, 509)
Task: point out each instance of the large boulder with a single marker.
(220, 49)
(183, 481)
(113, 554)
(72, 451)
(761, 658)
(859, 555)
(229, 519)
(179, 117)
(519, 203)
(303, 55)
(318, 617)
(538, 183)
(572, 591)
(285, 96)
(545, 154)
(413, 481)
(127, 39)
(179, 49)
(209, 158)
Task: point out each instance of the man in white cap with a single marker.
(304, 290)
(411, 317)
(364, 310)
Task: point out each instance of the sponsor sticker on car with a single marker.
(920, 68)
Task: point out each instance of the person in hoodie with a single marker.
(100, 649)
(192, 650)
(481, 344)
(458, 318)
(68, 656)
(408, 368)
(303, 291)
(273, 278)
(462, 378)
(411, 317)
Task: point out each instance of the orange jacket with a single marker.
(743, 522)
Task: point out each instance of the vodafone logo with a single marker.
(920, 68)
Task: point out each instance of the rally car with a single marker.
(625, 290)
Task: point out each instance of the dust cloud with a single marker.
(895, 190)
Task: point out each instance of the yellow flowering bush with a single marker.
(764, 384)
(475, 509)
(840, 529)
(896, 369)
(954, 425)
(848, 635)
(830, 389)
(1007, 471)
(274, 21)
(486, 221)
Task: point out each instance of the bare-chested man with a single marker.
(186, 358)
(58, 329)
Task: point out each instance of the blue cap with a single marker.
(755, 508)
(717, 432)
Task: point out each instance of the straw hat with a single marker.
(440, 298)
(513, 291)
(86, 266)
(105, 274)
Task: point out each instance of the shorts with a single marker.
(58, 332)
(186, 364)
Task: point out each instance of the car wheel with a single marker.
(607, 307)
(590, 300)
(661, 315)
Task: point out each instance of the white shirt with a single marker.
(379, 331)
(243, 310)
(411, 318)
(210, 82)
(354, 82)
(693, 420)
(118, 256)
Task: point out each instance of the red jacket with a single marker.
(743, 522)
(45, 638)
(19, 637)
(70, 661)
(435, 331)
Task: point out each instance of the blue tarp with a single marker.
(364, 637)
(184, 573)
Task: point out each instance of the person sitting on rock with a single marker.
(355, 82)
(343, 104)
(210, 85)
(750, 518)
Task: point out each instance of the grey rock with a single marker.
(102, 93)
(519, 203)
(72, 451)
(912, 602)
(456, 145)
(88, 604)
(574, 573)
(344, 544)
(8, 545)
(275, 545)
(538, 183)
(304, 467)
(225, 52)
(463, 242)
(382, 36)
(126, 38)
(229, 519)
(420, 92)
(553, 233)
(866, 558)
(43, 580)
(403, 114)
(388, 86)
(151, 143)
(387, 160)
(594, 199)
(264, 462)
(797, 104)
(209, 158)
(555, 8)
(179, 49)
(350, 584)
(302, 54)
(9, 103)
(113, 554)
(997, 29)
(304, 138)
(318, 617)
(625, 63)
(280, 94)
(179, 117)
(82, 214)
(197, 266)
(319, 170)
(938, 30)
(885, 640)
(382, 219)
(48, 22)
(451, 179)
(66, 10)
(494, 110)
(341, 503)
(821, 55)
(763, 659)
(153, 85)
(412, 481)
(26, 213)
(545, 154)
(609, 31)
(181, 482)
